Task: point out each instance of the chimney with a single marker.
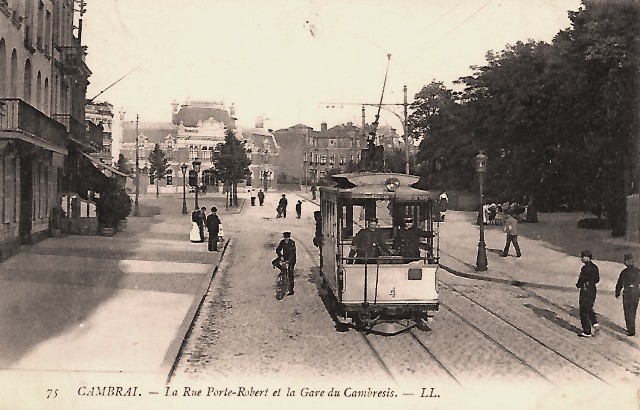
(232, 110)
(323, 127)
(260, 122)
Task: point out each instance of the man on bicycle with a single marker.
(286, 251)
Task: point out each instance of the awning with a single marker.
(106, 169)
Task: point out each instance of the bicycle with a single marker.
(282, 281)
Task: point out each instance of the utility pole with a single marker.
(406, 132)
(136, 211)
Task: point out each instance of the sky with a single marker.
(301, 61)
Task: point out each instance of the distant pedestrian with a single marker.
(629, 284)
(589, 277)
(203, 213)
(443, 201)
(298, 209)
(261, 197)
(213, 226)
(511, 228)
(196, 221)
(253, 197)
(313, 191)
(282, 206)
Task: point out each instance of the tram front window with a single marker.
(407, 241)
(368, 244)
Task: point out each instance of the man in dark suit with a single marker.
(213, 226)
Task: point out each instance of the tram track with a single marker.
(520, 331)
(611, 355)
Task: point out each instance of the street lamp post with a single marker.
(196, 167)
(183, 168)
(481, 169)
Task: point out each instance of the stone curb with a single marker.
(174, 352)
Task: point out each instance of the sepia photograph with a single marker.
(290, 204)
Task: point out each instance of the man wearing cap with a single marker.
(368, 243)
(629, 284)
(407, 240)
(286, 251)
(213, 226)
(589, 276)
(511, 228)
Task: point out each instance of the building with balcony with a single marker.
(100, 114)
(43, 81)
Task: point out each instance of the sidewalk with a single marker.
(99, 304)
(540, 265)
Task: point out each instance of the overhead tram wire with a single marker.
(467, 19)
(114, 83)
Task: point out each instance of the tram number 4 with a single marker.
(392, 293)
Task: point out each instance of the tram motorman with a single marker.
(369, 243)
(286, 251)
(407, 240)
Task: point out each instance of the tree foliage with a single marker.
(231, 162)
(557, 121)
(158, 165)
(123, 165)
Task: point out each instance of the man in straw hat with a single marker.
(629, 284)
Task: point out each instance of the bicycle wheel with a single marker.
(281, 286)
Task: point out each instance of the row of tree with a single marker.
(558, 121)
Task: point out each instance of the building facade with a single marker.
(43, 81)
(100, 114)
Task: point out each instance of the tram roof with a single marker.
(373, 185)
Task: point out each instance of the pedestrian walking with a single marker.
(313, 191)
(253, 197)
(298, 209)
(589, 277)
(282, 205)
(203, 213)
(196, 220)
(511, 228)
(443, 201)
(261, 197)
(213, 226)
(629, 284)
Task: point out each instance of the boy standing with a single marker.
(629, 280)
(589, 276)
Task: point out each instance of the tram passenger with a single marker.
(407, 240)
(286, 251)
(368, 244)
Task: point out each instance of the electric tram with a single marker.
(387, 293)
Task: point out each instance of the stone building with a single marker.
(43, 81)
(263, 151)
(100, 114)
(197, 127)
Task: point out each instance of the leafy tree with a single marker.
(231, 163)
(158, 165)
(123, 165)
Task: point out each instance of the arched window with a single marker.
(27, 81)
(208, 177)
(14, 74)
(169, 176)
(39, 90)
(3, 67)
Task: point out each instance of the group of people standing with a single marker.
(628, 284)
(200, 220)
(281, 209)
(260, 195)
